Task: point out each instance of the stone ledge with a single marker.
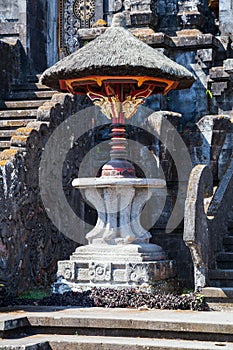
(160, 40)
(184, 39)
(164, 320)
(228, 65)
(195, 41)
(219, 73)
(217, 293)
(9, 28)
(105, 181)
(73, 342)
(90, 33)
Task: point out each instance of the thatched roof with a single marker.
(116, 52)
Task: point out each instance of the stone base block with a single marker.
(130, 266)
(158, 287)
(143, 19)
(191, 20)
(120, 253)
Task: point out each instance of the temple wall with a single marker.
(13, 21)
(37, 25)
(30, 244)
(11, 64)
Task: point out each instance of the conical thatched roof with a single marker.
(116, 52)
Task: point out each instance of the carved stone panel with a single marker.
(74, 15)
(138, 273)
(100, 272)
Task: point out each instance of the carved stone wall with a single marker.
(13, 21)
(75, 15)
(30, 245)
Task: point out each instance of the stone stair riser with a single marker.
(43, 328)
(4, 145)
(6, 134)
(18, 114)
(15, 123)
(23, 104)
(221, 283)
(225, 261)
(228, 240)
(29, 86)
(33, 78)
(224, 265)
(95, 343)
(30, 95)
(222, 276)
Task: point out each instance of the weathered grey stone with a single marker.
(118, 254)
(189, 15)
(218, 73)
(119, 203)
(196, 231)
(104, 266)
(143, 13)
(228, 65)
(213, 133)
(225, 16)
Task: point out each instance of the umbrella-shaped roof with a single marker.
(117, 52)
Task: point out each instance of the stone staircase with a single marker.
(20, 107)
(221, 278)
(48, 328)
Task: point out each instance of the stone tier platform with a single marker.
(50, 328)
(120, 266)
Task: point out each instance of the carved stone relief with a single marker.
(99, 272)
(73, 15)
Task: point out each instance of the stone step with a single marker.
(77, 342)
(99, 328)
(133, 323)
(5, 134)
(221, 278)
(18, 113)
(225, 256)
(29, 86)
(221, 283)
(33, 78)
(225, 260)
(4, 144)
(30, 95)
(228, 243)
(14, 124)
(223, 293)
(23, 104)
(221, 274)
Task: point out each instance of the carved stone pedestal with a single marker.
(119, 254)
(108, 266)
